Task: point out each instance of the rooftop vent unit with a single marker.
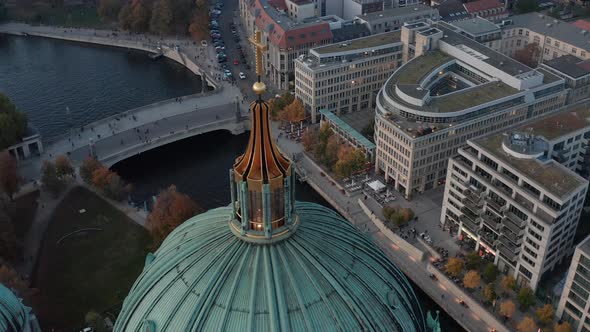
(548, 25)
(501, 63)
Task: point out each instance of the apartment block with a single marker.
(520, 206)
(287, 31)
(393, 19)
(452, 89)
(575, 72)
(574, 303)
(346, 77)
(554, 37)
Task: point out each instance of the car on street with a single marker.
(204, 43)
(236, 62)
(242, 76)
(215, 12)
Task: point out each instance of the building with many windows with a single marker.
(346, 77)
(574, 303)
(519, 206)
(492, 10)
(575, 72)
(452, 89)
(482, 31)
(555, 38)
(286, 33)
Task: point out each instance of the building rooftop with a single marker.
(553, 28)
(470, 97)
(452, 10)
(377, 40)
(582, 24)
(584, 246)
(554, 126)
(476, 26)
(551, 176)
(414, 70)
(479, 5)
(570, 65)
(350, 31)
(496, 59)
(348, 129)
(398, 11)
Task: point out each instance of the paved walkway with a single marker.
(415, 270)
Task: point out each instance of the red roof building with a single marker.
(492, 10)
(582, 24)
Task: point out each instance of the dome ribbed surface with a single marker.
(325, 277)
(14, 316)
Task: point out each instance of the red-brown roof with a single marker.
(479, 5)
(582, 24)
(293, 36)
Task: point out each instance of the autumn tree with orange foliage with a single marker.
(507, 309)
(110, 184)
(454, 266)
(563, 327)
(171, 209)
(12, 280)
(545, 314)
(88, 167)
(527, 324)
(9, 180)
(471, 279)
(198, 28)
(309, 139)
(292, 113)
(63, 166)
(350, 160)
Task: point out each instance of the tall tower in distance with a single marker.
(262, 179)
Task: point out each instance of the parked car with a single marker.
(236, 62)
(242, 76)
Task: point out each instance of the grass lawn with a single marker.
(72, 16)
(90, 271)
(22, 211)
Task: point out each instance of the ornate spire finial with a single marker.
(259, 87)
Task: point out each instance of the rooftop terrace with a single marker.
(551, 176)
(377, 40)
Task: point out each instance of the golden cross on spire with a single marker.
(257, 42)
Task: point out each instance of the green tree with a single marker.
(489, 292)
(323, 136)
(96, 321)
(109, 9)
(330, 156)
(12, 123)
(490, 273)
(508, 283)
(162, 16)
(63, 166)
(9, 179)
(526, 6)
(125, 16)
(473, 261)
(526, 298)
(388, 211)
(50, 180)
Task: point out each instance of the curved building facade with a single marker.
(451, 89)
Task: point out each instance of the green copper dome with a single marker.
(325, 276)
(14, 316)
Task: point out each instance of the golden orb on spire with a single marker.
(259, 88)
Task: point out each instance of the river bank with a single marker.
(195, 58)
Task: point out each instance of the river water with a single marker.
(46, 77)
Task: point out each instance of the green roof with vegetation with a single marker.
(326, 276)
(471, 97)
(560, 124)
(360, 43)
(551, 176)
(414, 70)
